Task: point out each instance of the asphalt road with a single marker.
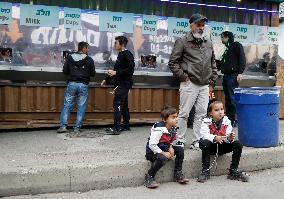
(263, 184)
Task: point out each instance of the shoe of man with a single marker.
(204, 176)
(76, 133)
(179, 177)
(234, 174)
(62, 130)
(150, 182)
(113, 131)
(125, 128)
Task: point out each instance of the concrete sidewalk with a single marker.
(42, 161)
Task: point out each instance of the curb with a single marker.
(75, 178)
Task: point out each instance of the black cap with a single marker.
(197, 18)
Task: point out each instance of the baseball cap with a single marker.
(197, 18)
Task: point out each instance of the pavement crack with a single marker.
(70, 178)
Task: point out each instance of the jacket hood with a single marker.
(79, 59)
(230, 35)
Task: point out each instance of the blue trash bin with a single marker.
(258, 116)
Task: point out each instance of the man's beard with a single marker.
(198, 35)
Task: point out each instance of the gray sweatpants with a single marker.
(192, 95)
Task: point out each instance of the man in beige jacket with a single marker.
(193, 62)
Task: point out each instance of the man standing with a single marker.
(121, 76)
(193, 62)
(79, 67)
(232, 65)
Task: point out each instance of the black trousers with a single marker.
(229, 84)
(208, 148)
(120, 106)
(159, 160)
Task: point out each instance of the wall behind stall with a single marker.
(38, 105)
(40, 48)
(156, 7)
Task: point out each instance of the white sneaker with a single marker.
(180, 144)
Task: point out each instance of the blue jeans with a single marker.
(229, 84)
(72, 91)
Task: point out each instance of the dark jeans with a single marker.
(229, 84)
(120, 106)
(159, 160)
(208, 148)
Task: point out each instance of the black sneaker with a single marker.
(113, 131)
(125, 128)
(150, 182)
(234, 174)
(62, 130)
(179, 177)
(204, 176)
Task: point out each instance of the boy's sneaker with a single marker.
(180, 144)
(150, 182)
(62, 130)
(234, 174)
(204, 176)
(179, 177)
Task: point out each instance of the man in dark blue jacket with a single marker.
(79, 67)
(121, 78)
(232, 65)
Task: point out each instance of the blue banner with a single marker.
(72, 18)
(5, 13)
(149, 24)
(116, 22)
(216, 29)
(37, 15)
(177, 26)
(243, 33)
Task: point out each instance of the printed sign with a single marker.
(72, 18)
(37, 15)
(116, 22)
(243, 33)
(5, 13)
(273, 33)
(216, 29)
(177, 26)
(149, 24)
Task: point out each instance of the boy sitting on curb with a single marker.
(218, 137)
(159, 148)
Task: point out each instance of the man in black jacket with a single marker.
(232, 65)
(121, 76)
(79, 67)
